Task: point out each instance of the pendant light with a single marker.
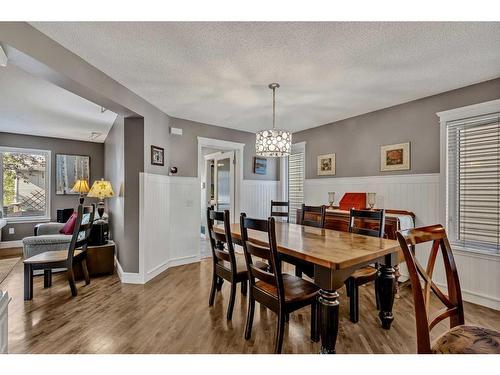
(273, 142)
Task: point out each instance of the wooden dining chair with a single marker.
(280, 213)
(279, 292)
(75, 255)
(227, 264)
(374, 225)
(460, 338)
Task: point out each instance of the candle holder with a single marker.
(371, 198)
(331, 198)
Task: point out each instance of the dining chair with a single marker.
(227, 264)
(279, 292)
(311, 216)
(278, 213)
(460, 338)
(373, 225)
(75, 255)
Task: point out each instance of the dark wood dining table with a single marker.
(335, 256)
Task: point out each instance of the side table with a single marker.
(100, 260)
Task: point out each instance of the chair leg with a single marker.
(251, 310)
(244, 287)
(314, 322)
(47, 278)
(377, 300)
(287, 317)
(28, 282)
(219, 284)
(71, 280)
(85, 271)
(280, 331)
(353, 303)
(213, 289)
(232, 297)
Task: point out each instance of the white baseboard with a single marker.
(128, 277)
(11, 244)
(171, 263)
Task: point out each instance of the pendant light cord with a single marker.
(274, 108)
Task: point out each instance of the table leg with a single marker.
(329, 320)
(386, 284)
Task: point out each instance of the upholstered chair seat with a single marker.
(468, 340)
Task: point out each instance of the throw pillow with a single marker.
(70, 225)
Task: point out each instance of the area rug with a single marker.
(6, 266)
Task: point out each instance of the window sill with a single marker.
(28, 220)
(460, 250)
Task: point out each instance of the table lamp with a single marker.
(101, 189)
(82, 187)
(371, 199)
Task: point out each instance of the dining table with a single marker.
(335, 255)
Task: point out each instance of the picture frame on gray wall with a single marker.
(157, 155)
(69, 168)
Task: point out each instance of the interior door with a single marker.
(224, 182)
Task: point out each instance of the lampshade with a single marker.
(101, 189)
(81, 186)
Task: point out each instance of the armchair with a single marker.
(46, 238)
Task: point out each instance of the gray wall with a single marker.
(57, 146)
(183, 150)
(356, 141)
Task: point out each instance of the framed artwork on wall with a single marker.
(326, 165)
(70, 168)
(395, 157)
(259, 165)
(157, 155)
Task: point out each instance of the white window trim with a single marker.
(296, 147)
(34, 219)
(474, 110)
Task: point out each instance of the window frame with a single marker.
(446, 117)
(48, 185)
(297, 148)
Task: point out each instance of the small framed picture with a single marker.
(157, 155)
(395, 157)
(259, 165)
(326, 165)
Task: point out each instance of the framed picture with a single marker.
(326, 165)
(157, 155)
(395, 157)
(70, 168)
(259, 165)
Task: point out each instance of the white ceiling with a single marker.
(218, 73)
(31, 105)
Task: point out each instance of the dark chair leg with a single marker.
(85, 271)
(353, 303)
(47, 278)
(28, 282)
(287, 317)
(219, 284)
(232, 297)
(71, 280)
(347, 286)
(244, 287)
(280, 331)
(314, 322)
(213, 289)
(251, 310)
(377, 300)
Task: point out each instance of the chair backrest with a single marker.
(421, 295)
(308, 221)
(281, 213)
(81, 232)
(269, 252)
(370, 217)
(221, 253)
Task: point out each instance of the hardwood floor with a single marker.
(170, 314)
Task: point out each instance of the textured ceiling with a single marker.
(218, 73)
(31, 105)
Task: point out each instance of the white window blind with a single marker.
(474, 183)
(295, 183)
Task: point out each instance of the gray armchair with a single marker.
(47, 238)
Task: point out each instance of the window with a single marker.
(24, 186)
(296, 173)
(473, 183)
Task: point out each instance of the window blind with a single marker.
(295, 183)
(474, 183)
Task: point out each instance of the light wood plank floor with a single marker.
(170, 314)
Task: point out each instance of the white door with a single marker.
(224, 182)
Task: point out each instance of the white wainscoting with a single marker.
(479, 274)
(256, 197)
(169, 224)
